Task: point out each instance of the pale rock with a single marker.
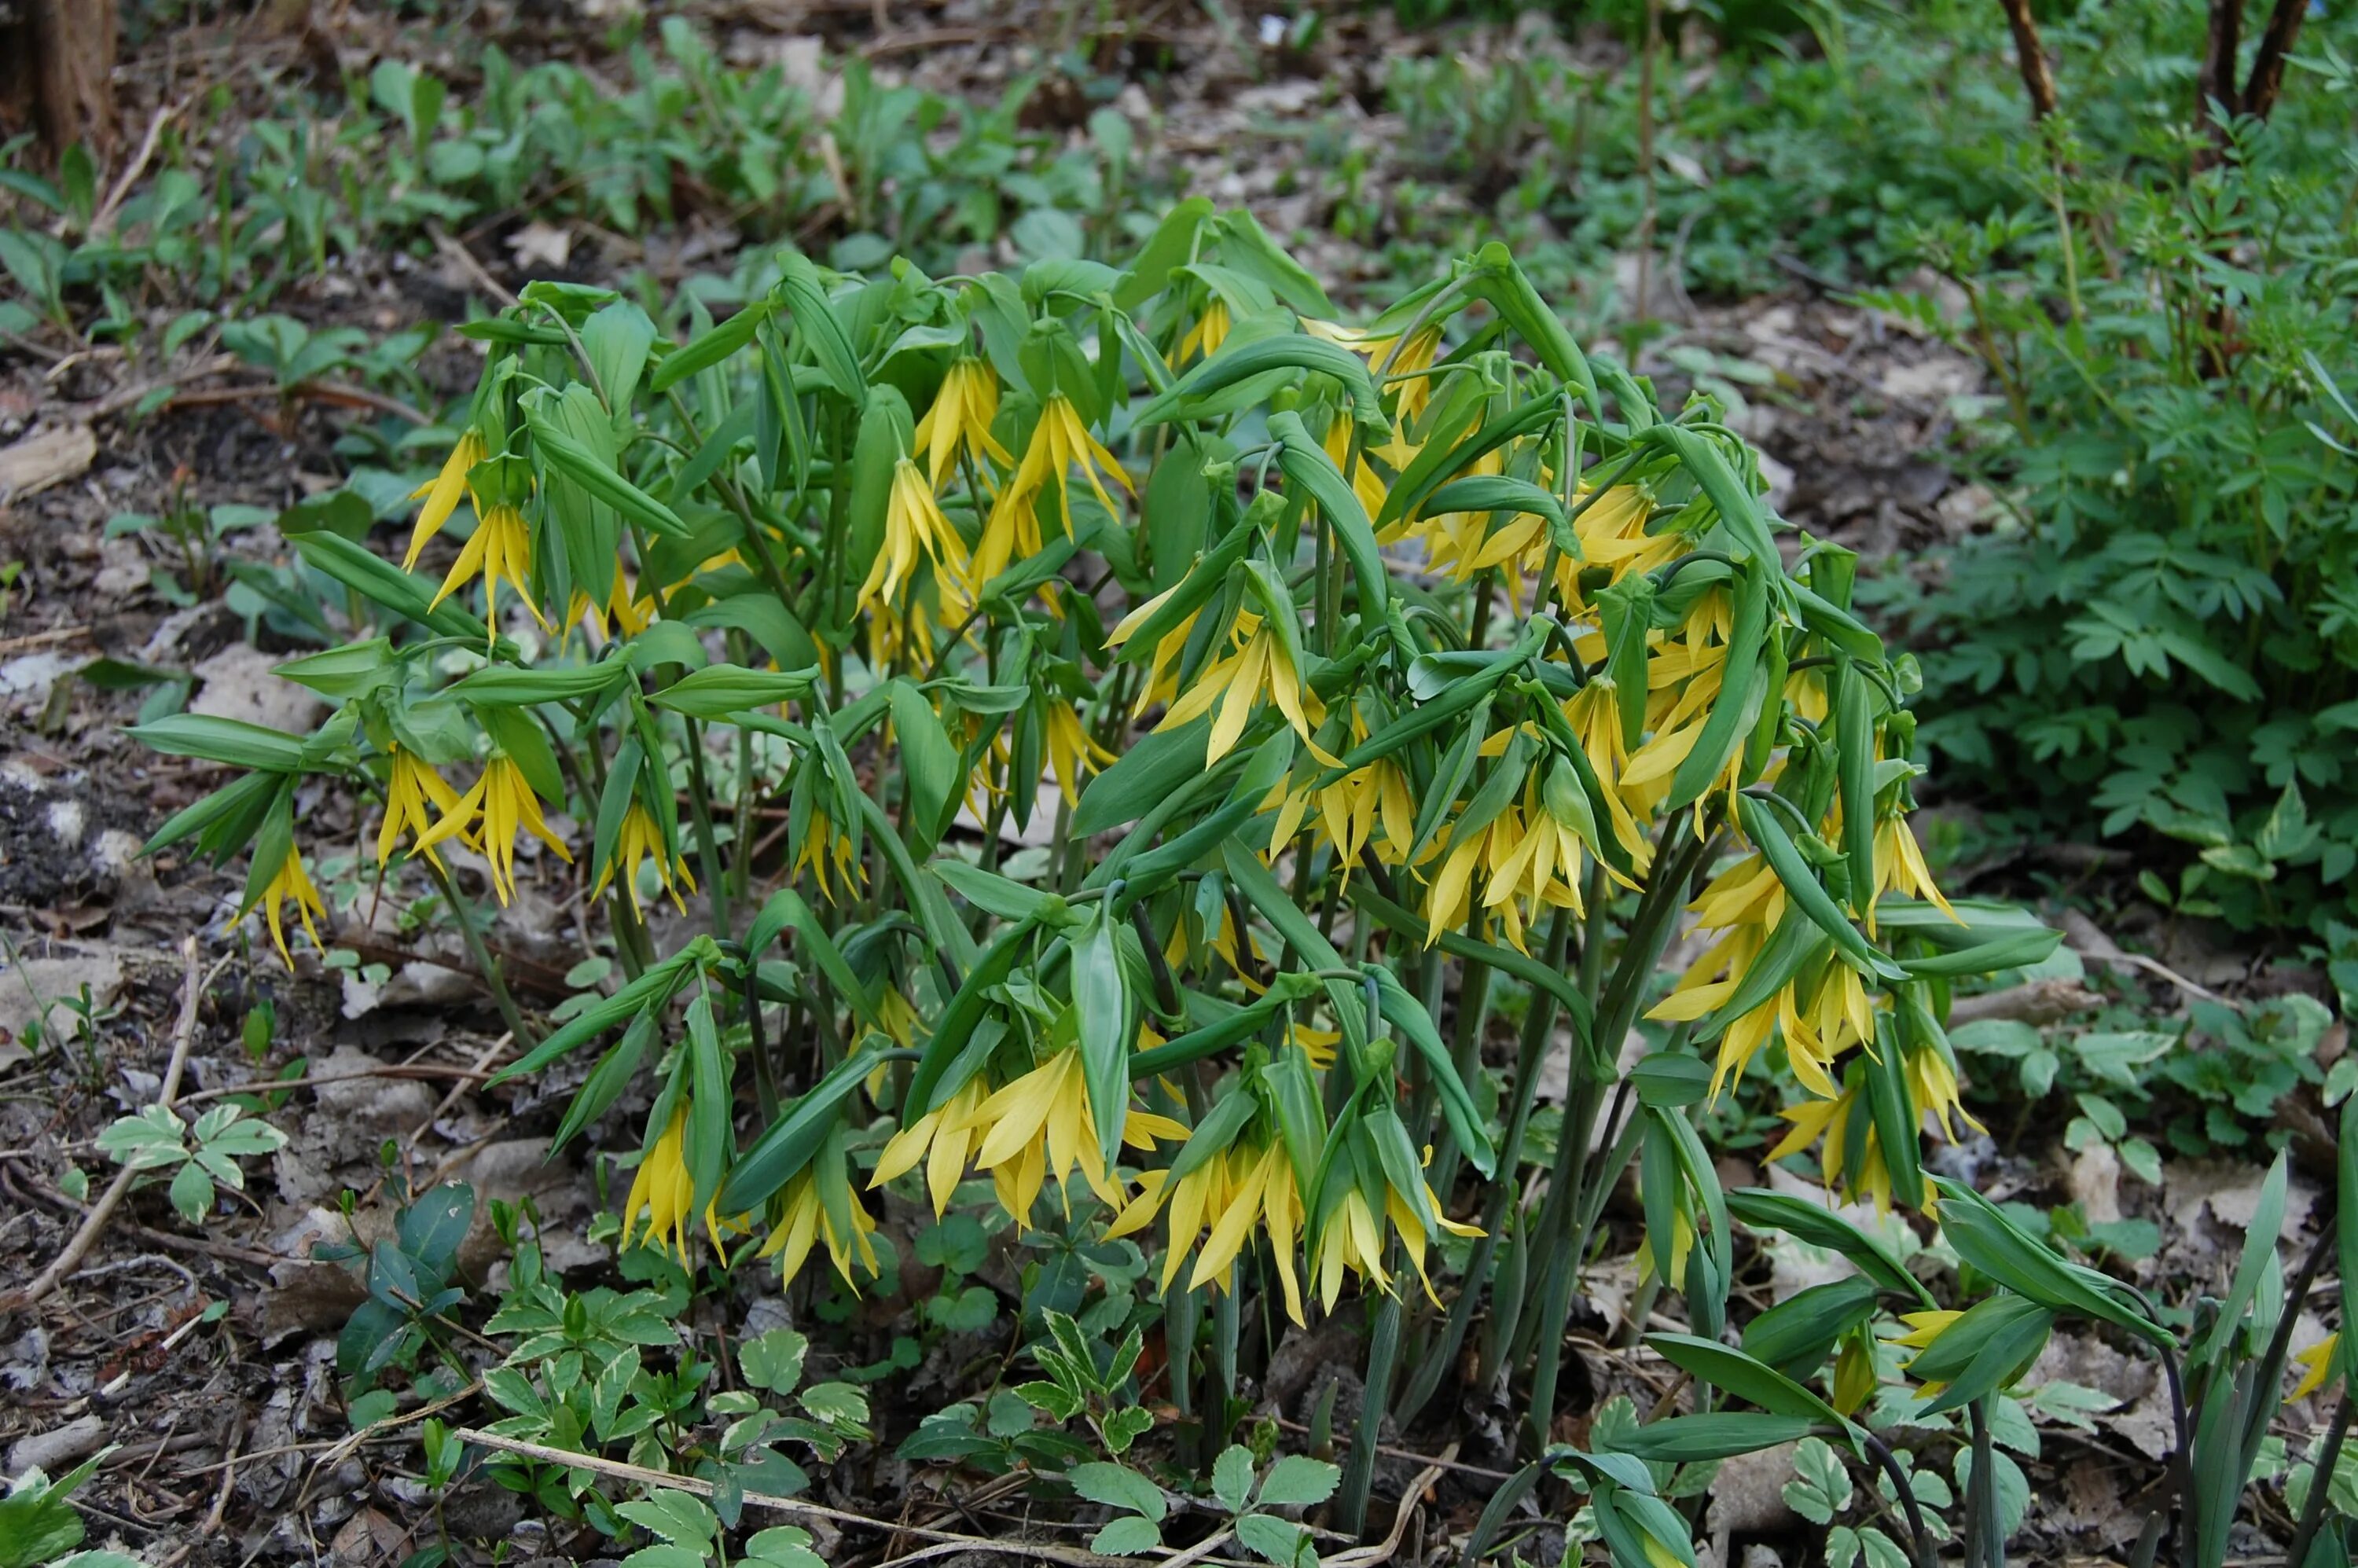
(56, 982)
(2096, 1184)
(241, 682)
(1748, 1492)
(26, 680)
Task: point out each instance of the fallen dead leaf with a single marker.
(540, 245)
(45, 458)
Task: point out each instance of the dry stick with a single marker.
(465, 262)
(192, 994)
(427, 1072)
(42, 639)
(477, 1074)
(1370, 1556)
(1046, 1551)
(229, 1475)
(102, 222)
(2030, 56)
(163, 1238)
(1389, 1451)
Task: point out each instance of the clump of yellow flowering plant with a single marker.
(1133, 784)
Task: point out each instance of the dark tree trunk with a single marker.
(56, 64)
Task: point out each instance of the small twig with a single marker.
(467, 263)
(192, 995)
(154, 1237)
(229, 1475)
(273, 1085)
(42, 639)
(1369, 1556)
(103, 223)
(473, 1075)
(1046, 1551)
(2153, 966)
(1343, 1439)
(392, 1423)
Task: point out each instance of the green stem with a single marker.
(1538, 1022)
(1383, 1354)
(464, 913)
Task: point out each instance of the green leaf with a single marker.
(1232, 1478)
(1295, 1481)
(1119, 1486)
(617, 339)
(1728, 1369)
(1305, 464)
(1238, 360)
(1809, 894)
(1691, 1439)
(1107, 1027)
(1994, 1244)
(774, 1360)
(725, 691)
(561, 452)
(804, 297)
(230, 741)
(1129, 1536)
(1281, 1542)
(1797, 1335)
(930, 770)
(787, 1146)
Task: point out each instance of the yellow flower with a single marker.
(1682, 1235)
(1060, 440)
(632, 614)
(1933, 1084)
(1830, 1119)
(1531, 859)
(942, 1138)
(441, 493)
(1416, 355)
(664, 1192)
(915, 526)
(639, 839)
(2318, 1362)
(1657, 1555)
(500, 547)
(1041, 1126)
(1210, 330)
(1923, 1328)
(1369, 489)
(1161, 684)
(1235, 682)
(505, 803)
(1072, 750)
(806, 1218)
(414, 785)
(1260, 1194)
(290, 881)
(1349, 809)
(1899, 863)
(1349, 1239)
(823, 846)
(961, 417)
